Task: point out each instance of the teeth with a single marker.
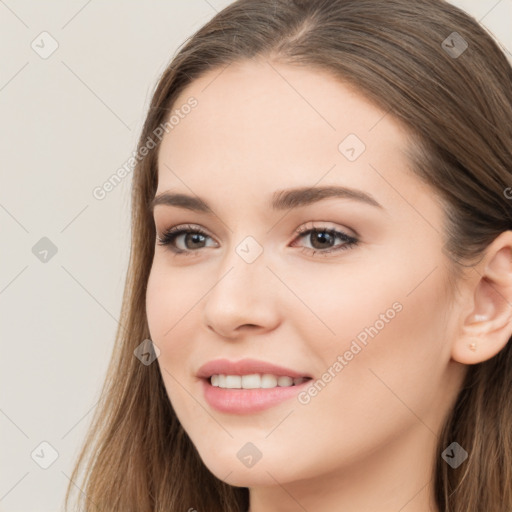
(254, 381)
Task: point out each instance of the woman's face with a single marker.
(361, 306)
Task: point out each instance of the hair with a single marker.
(458, 111)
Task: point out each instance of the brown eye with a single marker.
(322, 239)
(193, 238)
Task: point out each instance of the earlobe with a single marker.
(488, 327)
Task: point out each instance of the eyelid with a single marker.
(304, 228)
(327, 225)
(180, 229)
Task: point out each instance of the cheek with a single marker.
(158, 310)
(404, 350)
(170, 299)
(391, 378)
(167, 304)
(387, 322)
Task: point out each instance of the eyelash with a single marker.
(169, 236)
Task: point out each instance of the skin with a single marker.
(366, 442)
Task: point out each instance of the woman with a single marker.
(318, 307)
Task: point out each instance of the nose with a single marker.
(242, 299)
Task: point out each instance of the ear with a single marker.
(487, 323)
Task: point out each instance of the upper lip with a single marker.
(245, 367)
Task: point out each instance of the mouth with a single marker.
(246, 394)
(249, 385)
(254, 381)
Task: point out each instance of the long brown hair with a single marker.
(455, 97)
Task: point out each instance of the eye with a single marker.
(197, 236)
(322, 237)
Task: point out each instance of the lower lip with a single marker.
(247, 401)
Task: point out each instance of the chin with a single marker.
(246, 477)
(230, 469)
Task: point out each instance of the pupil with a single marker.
(195, 237)
(321, 236)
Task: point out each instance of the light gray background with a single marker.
(68, 122)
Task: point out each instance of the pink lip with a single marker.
(245, 367)
(246, 401)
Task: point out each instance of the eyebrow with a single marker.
(281, 199)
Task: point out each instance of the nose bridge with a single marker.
(240, 294)
(243, 268)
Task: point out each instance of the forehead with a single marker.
(261, 125)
